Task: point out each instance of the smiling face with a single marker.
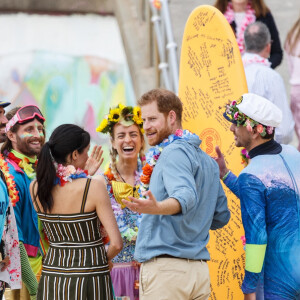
(3, 121)
(29, 138)
(127, 140)
(155, 124)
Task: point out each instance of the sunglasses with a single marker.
(24, 114)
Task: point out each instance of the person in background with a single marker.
(125, 127)
(241, 13)
(9, 245)
(292, 49)
(70, 204)
(264, 81)
(25, 137)
(268, 189)
(3, 120)
(182, 199)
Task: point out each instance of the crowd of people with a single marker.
(140, 229)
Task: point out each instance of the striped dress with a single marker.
(75, 266)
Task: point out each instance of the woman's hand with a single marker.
(94, 161)
(110, 265)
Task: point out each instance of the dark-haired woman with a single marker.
(241, 13)
(70, 204)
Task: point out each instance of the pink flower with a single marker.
(244, 151)
(179, 132)
(233, 103)
(248, 125)
(243, 240)
(68, 170)
(260, 128)
(236, 115)
(270, 129)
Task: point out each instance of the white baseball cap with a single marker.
(260, 110)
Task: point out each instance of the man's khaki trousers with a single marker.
(168, 278)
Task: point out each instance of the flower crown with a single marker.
(234, 115)
(126, 115)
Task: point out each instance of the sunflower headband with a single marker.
(234, 115)
(126, 115)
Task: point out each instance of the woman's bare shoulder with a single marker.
(33, 186)
(99, 178)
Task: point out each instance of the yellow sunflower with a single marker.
(137, 115)
(121, 106)
(102, 125)
(114, 115)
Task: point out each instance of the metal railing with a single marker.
(167, 48)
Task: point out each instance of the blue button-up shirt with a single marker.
(186, 173)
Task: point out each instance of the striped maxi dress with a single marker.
(75, 266)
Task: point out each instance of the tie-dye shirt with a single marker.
(269, 192)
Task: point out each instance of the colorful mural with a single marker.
(68, 89)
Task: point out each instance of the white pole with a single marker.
(171, 45)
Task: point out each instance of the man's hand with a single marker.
(251, 296)
(144, 206)
(221, 162)
(94, 161)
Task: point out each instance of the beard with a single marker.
(2, 133)
(28, 149)
(160, 136)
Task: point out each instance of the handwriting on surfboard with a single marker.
(203, 48)
(211, 75)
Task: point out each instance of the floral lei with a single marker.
(11, 185)
(245, 157)
(255, 59)
(67, 173)
(126, 231)
(248, 19)
(24, 164)
(154, 153)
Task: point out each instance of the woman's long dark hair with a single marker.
(63, 141)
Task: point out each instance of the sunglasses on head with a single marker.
(24, 114)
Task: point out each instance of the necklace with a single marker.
(128, 221)
(120, 175)
(248, 19)
(67, 173)
(249, 59)
(154, 153)
(11, 185)
(25, 163)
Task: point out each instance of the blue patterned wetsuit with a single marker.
(269, 192)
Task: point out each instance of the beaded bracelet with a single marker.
(226, 175)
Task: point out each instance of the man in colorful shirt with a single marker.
(263, 80)
(184, 201)
(268, 189)
(3, 120)
(9, 245)
(25, 133)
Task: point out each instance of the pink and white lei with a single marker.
(250, 58)
(248, 19)
(67, 173)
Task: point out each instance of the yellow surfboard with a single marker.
(211, 75)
